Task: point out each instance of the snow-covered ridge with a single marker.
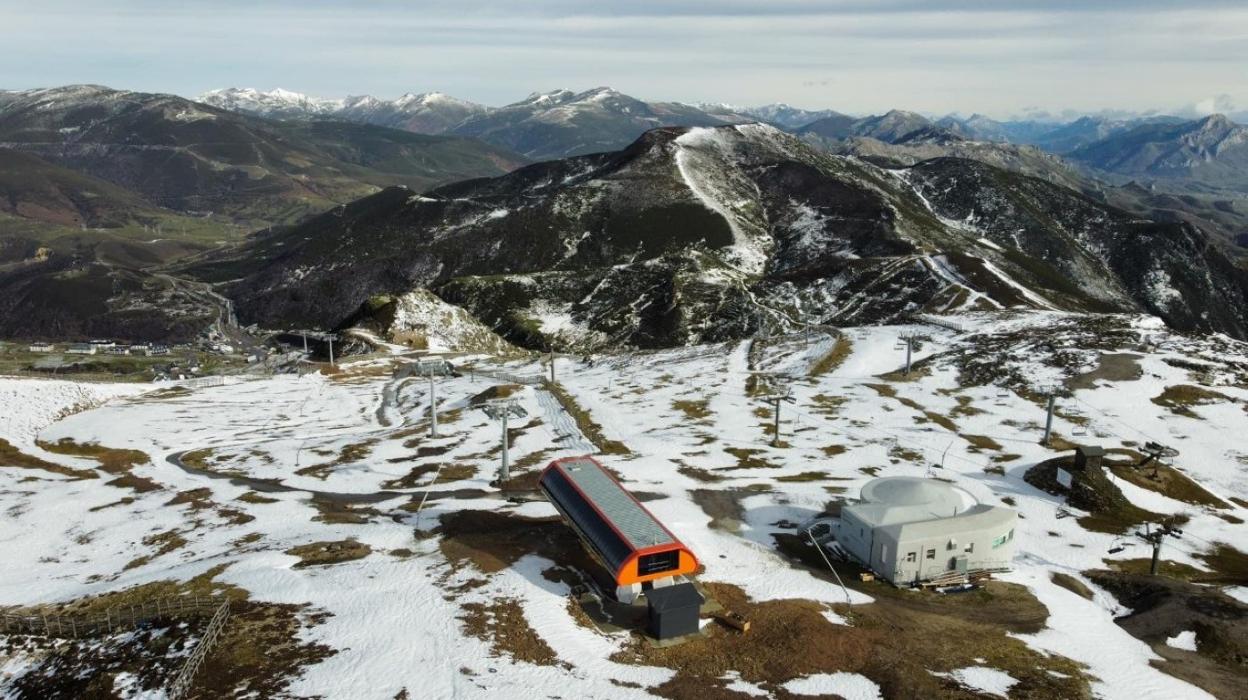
(426, 112)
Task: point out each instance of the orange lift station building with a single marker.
(625, 537)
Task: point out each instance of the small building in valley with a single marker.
(910, 530)
(41, 347)
(82, 349)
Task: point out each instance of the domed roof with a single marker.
(913, 491)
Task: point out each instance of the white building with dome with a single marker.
(909, 530)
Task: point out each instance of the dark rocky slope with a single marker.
(698, 234)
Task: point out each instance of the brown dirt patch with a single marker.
(492, 541)
(1113, 367)
(260, 652)
(893, 644)
(1162, 607)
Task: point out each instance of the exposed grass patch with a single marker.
(964, 407)
(418, 476)
(804, 476)
(883, 390)
(348, 454)
(698, 473)
(498, 391)
(503, 626)
(253, 497)
(693, 409)
(195, 498)
(139, 484)
(748, 458)
(10, 456)
(982, 442)
(1166, 481)
(1071, 584)
(899, 453)
(936, 418)
(164, 542)
(918, 370)
(828, 405)
(841, 349)
(832, 450)
(112, 460)
(326, 553)
(895, 642)
(1181, 397)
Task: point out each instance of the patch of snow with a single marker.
(1239, 593)
(982, 679)
(851, 686)
(1183, 640)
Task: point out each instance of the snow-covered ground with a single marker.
(690, 426)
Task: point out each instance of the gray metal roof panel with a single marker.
(625, 513)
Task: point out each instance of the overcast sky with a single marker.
(999, 57)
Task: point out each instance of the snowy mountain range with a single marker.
(424, 113)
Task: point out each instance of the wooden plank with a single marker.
(734, 621)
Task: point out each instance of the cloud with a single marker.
(994, 57)
(1218, 104)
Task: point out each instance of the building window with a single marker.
(999, 541)
(931, 554)
(953, 544)
(970, 547)
(910, 557)
(658, 562)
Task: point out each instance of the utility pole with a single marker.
(909, 352)
(1154, 452)
(305, 341)
(1155, 537)
(501, 410)
(552, 364)
(775, 398)
(433, 368)
(433, 407)
(1048, 421)
(331, 352)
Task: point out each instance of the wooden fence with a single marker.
(115, 619)
(507, 376)
(212, 634)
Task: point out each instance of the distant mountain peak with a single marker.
(425, 113)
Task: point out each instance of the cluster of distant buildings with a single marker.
(105, 347)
